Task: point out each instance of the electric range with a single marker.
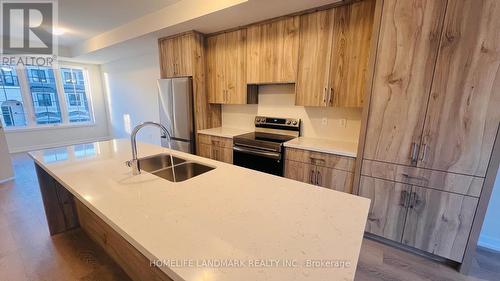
(262, 150)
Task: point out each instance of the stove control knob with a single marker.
(294, 123)
(288, 122)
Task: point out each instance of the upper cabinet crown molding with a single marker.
(272, 51)
(334, 50)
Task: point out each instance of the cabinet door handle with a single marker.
(423, 157)
(414, 153)
(318, 178)
(324, 96)
(311, 177)
(402, 199)
(331, 97)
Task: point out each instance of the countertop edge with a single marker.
(322, 149)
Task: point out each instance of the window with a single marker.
(38, 96)
(42, 85)
(76, 96)
(11, 100)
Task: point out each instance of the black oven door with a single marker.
(256, 159)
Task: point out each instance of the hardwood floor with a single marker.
(28, 252)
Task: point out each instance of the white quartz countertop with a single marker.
(342, 148)
(224, 132)
(230, 223)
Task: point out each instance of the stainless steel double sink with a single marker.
(172, 168)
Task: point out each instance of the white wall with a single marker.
(132, 93)
(490, 233)
(31, 139)
(279, 101)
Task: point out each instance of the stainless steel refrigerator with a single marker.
(176, 112)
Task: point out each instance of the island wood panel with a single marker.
(439, 222)
(134, 263)
(315, 44)
(272, 51)
(352, 30)
(334, 179)
(321, 159)
(58, 203)
(463, 112)
(388, 207)
(457, 183)
(236, 69)
(406, 55)
(300, 171)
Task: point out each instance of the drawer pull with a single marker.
(311, 177)
(408, 177)
(315, 161)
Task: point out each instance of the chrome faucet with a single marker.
(134, 163)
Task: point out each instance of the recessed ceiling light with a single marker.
(58, 31)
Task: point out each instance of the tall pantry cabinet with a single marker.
(433, 117)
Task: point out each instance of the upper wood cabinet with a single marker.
(334, 49)
(440, 112)
(272, 51)
(176, 56)
(352, 32)
(402, 78)
(316, 32)
(226, 68)
(464, 105)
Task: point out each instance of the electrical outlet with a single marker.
(324, 121)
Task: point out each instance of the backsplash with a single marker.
(279, 101)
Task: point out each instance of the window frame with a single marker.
(31, 124)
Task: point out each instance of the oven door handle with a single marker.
(272, 155)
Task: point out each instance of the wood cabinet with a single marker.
(464, 105)
(402, 78)
(226, 69)
(321, 169)
(439, 222)
(387, 214)
(334, 49)
(184, 55)
(176, 56)
(272, 51)
(433, 117)
(430, 220)
(442, 112)
(316, 32)
(216, 148)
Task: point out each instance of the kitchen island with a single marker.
(230, 223)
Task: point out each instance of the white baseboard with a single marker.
(52, 145)
(6, 180)
(489, 242)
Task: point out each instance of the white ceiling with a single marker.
(107, 30)
(84, 19)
